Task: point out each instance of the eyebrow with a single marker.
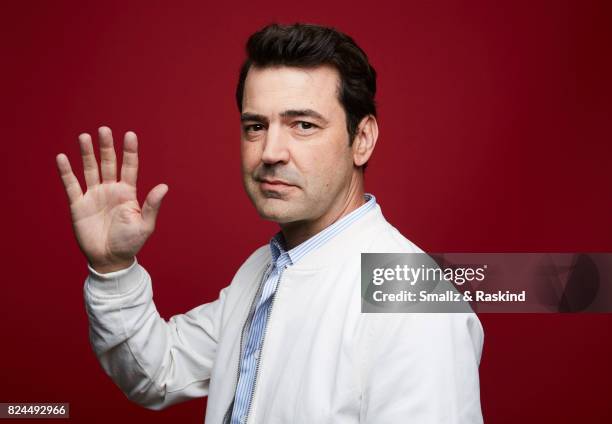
(291, 113)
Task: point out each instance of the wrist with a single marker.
(107, 267)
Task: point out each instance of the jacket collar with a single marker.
(282, 257)
(352, 240)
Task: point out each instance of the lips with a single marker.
(274, 184)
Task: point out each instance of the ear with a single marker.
(365, 140)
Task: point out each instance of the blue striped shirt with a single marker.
(254, 336)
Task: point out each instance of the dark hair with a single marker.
(308, 45)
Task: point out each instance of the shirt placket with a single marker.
(251, 351)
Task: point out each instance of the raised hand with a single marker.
(108, 222)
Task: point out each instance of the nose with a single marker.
(276, 147)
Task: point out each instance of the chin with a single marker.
(275, 210)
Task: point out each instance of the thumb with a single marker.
(151, 205)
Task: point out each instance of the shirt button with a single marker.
(257, 354)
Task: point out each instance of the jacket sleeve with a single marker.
(421, 368)
(155, 362)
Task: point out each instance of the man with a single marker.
(286, 341)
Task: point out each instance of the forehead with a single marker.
(272, 89)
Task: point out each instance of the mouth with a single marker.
(274, 185)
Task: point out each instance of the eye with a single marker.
(305, 126)
(253, 127)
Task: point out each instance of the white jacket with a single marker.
(322, 361)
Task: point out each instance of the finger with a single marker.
(108, 160)
(129, 167)
(151, 205)
(71, 184)
(90, 165)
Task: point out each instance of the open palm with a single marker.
(109, 224)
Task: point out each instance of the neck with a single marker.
(297, 232)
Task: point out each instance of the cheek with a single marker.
(324, 163)
(250, 155)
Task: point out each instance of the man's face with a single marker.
(296, 159)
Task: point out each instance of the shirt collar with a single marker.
(281, 257)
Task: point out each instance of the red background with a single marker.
(494, 136)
